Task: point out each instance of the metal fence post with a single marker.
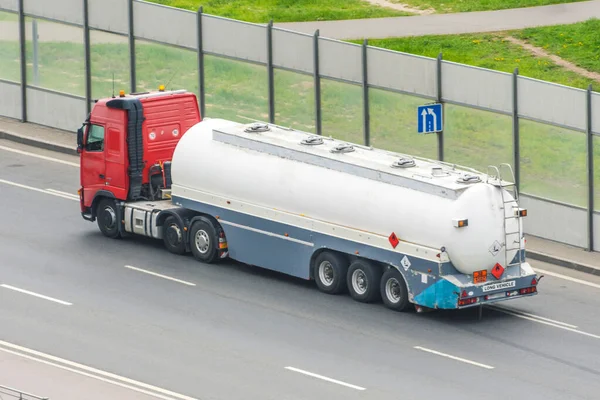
(201, 88)
(590, 172)
(317, 78)
(132, 74)
(515, 127)
(23, 56)
(270, 72)
(88, 64)
(365, 87)
(440, 135)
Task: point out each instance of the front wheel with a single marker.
(393, 290)
(203, 242)
(107, 218)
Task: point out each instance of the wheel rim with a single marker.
(392, 290)
(359, 281)
(109, 217)
(174, 235)
(326, 273)
(202, 241)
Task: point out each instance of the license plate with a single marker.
(498, 286)
(496, 296)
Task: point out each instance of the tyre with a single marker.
(363, 280)
(173, 237)
(108, 218)
(203, 242)
(393, 290)
(329, 271)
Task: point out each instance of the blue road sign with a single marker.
(430, 118)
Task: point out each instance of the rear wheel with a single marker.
(173, 236)
(329, 271)
(107, 218)
(203, 241)
(363, 281)
(393, 290)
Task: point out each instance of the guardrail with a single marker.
(17, 394)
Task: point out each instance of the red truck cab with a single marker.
(126, 146)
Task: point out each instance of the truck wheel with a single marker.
(203, 242)
(393, 290)
(173, 236)
(107, 217)
(363, 281)
(329, 271)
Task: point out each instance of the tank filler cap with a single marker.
(468, 178)
(404, 163)
(257, 127)
(312, 140)
(343, 148)
(438, 171)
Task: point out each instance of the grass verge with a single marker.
(578, 43)
(486, 51)
(451, 6)
(553, 159)
(286, 10)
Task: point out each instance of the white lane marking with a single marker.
(522, 313)
(72, 195)
(568, 278)
(41, 296)
(454, 357)
(553, 324)
(26, 153)
(19, 185)
(115, 378)
(325, 378)
(159, 275)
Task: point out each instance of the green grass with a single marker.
(553, 159)
(485, 51)
(578, 43)
(286, 10)
(450, 6)
(7, 16)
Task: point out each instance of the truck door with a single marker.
(93, 165)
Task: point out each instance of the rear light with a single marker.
(463, 294)
(534, 281)
(528, 290)
(466, 302)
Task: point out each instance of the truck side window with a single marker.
(95, 139)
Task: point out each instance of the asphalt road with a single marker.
(229, 331)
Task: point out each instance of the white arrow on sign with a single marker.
(424, 115)
(430, 111)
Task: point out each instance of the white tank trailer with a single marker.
(319, 208)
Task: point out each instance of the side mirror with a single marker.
(79, 140)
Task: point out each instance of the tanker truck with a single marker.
(379, 225)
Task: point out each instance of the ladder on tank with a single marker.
(514, 215)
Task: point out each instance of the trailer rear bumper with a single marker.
(450, 293)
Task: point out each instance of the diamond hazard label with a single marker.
(394, 240)
(497, 271)
(405, 263)
(495, 248)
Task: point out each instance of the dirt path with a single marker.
(401, 7)
(539, 52)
